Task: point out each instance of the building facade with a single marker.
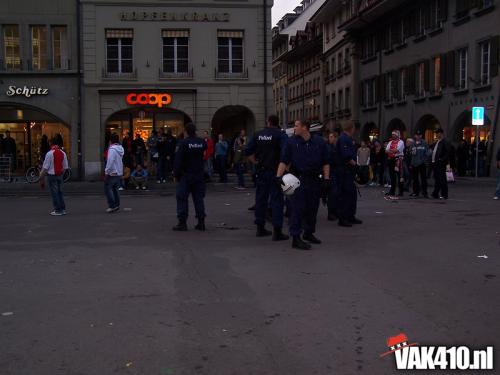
(424, 64)
(38, 79)
(149, 66)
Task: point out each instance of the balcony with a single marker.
(175, 75)
(129, 76)
(231, 76)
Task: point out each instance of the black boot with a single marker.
(201, 225)
(262, 231)
(278, 235)
(297, 243)
(309, 237)
(344, 223)
(355, 220)
(332, 217)
(181, 226)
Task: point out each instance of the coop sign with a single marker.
(154, 99)
(26, 91)
(171, 16)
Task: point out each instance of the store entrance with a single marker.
(25, 135)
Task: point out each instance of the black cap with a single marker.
(439, 130)
(418, 132)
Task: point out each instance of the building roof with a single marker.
(304, 17)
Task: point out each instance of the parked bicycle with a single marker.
(33, 174)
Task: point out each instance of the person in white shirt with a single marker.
(113, 173)
(395, 152)
(54, 165)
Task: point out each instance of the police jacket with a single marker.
(306, 158)
(267, 146)
(189, 157)
(346, 151)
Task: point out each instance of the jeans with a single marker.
(240, 170)
(209, 168)
(420, 179)
(441, 183)
(395, 178)
(55, 186)
(111, 186)
(139, 182)
(221, 164)
(497, 193)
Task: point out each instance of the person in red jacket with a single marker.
(208, 156)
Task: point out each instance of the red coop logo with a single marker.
(156, 99)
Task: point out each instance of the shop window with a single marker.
(230, 51)
(119, 51)
(39, 47)
(12, 47)
(175, 51)
(60, 59)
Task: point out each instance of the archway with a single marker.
(463, 129)
(428, 124)
(370, 132)
(31, 128)
(396, 124)
(230, 120)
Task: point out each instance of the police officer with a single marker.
(264, 151)
(188, 171)
(333, 195)
(306, 156)
(347, 156)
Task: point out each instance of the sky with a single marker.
(281, 7)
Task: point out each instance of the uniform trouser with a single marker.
(55, 186)
(195, 186)
(419, 179)
(440, 184)
(395, 177)
(304, 205)
(268, 194)
(333, 196)
(497, 192)
(111, 186)
(348, 197)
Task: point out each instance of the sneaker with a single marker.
(55, 213)
(496, 198)
(144, 188)
(110, 210)
(158, 182)
(386, 185)
(64, 212)
(137, 188)
(413, 195)
(121, 189)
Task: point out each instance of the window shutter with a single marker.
(443, 70)
(426, 75)
(406, 87)
(407, 27)
(450, 71)
(384, 88)
(229, 34)
(378, 82)
(494, 55)
(412, 76)
(361, 97)
(443, 10)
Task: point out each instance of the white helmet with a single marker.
(290, 184)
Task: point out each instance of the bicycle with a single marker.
(33, 174)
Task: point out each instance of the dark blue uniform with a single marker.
(306, 160)
(333, 195)
(346, 151)
(188, 170)
(267, 146)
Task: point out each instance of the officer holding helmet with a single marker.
(264, 150)
(188, 172)
(346, 168)
(307, 158)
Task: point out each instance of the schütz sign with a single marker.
(26, 91)
(170, 16)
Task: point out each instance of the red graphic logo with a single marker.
(396, 343)
(159, 100)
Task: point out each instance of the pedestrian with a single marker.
(152, 143)
(10, 150)
(188, 172)
(139, 177)
(419, 152)
(138, 149)
(44, 147)
(264, 152)
(497, 193)
(462, 157)
(306, 157)
(407, 175)
(333, 195)
(239, 161)
(127, 148)
(54, 165)
(170, 147)
(440, 155)
(221, 151)
(208, 156)
(346, 165)
(363, 160)
(113, 173)
(161, 169)
(378, 164)
(395, 153)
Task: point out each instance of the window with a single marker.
(437, 74)
(347, 55)
(333, 102)
(435, 10)
(327, 104)
(421, 21)
(12, 47)
(462, 69)
(390, 84)
(39, 47)
(403, 82)
(119, 55)
(230, 51)
(485, 50)
(369, 92)
(348, 98)
(60, 47)
(333, 66)
(421, 79)
(339, 62)
(175, 51)
(368, 47)
(341, 99)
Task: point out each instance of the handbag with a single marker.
(449, 176)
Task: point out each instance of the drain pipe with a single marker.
(264, 9)
(79, 67)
